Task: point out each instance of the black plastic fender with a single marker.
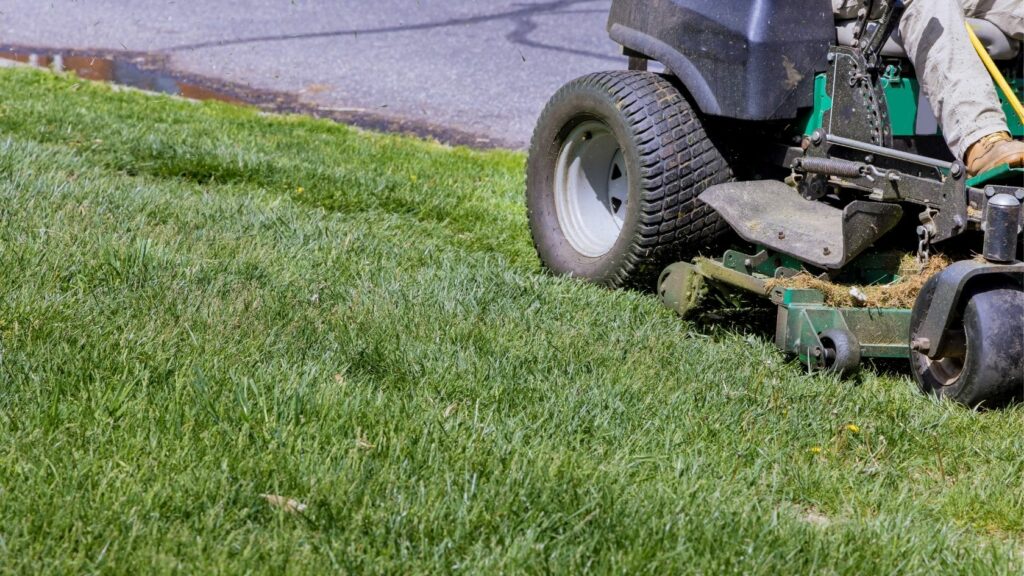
(950, 286)
(744, 59)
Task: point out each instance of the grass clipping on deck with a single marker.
(899, 294)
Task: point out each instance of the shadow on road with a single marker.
(523, 18)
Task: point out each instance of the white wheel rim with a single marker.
(591, 189)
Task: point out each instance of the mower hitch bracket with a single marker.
(854, 145)
(859, 109)
(950, 286)
(944, 200)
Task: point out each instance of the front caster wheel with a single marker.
(984, 363)
(839, 352)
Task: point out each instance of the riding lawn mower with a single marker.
(778, 151)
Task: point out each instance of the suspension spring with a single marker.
(831, 167)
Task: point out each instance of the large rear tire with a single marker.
(986, 367)
(617, 162)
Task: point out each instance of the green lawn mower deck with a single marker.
(768, 153)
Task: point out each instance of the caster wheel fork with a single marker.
(838, 352)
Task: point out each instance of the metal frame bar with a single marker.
(890, 152)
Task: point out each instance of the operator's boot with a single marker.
(992, 151)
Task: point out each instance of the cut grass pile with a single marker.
(901, 293)
(239, 343)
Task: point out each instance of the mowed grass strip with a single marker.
(205, 312)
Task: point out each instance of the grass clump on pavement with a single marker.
(240, 343)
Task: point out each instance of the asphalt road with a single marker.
(485, 67)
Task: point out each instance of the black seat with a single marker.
(999, 45)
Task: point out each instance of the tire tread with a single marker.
(678, 161)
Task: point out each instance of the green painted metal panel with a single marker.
(902, 97)
(881, 332)
(1002, 173)
(1012, 120)
(822, 104)
(799, 296)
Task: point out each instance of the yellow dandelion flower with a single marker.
(853, 428)
(816, 450)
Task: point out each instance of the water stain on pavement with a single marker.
(151, 73)
(123, 71)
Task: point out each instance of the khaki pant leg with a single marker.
(1007, 15)
(845, 9)
(952, 77)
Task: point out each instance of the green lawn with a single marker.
(200, 305)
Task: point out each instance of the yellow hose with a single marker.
(1011, 97)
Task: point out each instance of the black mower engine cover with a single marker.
(744, 59)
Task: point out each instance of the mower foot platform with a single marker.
(772, 214)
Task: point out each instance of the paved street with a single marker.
(480, 66)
